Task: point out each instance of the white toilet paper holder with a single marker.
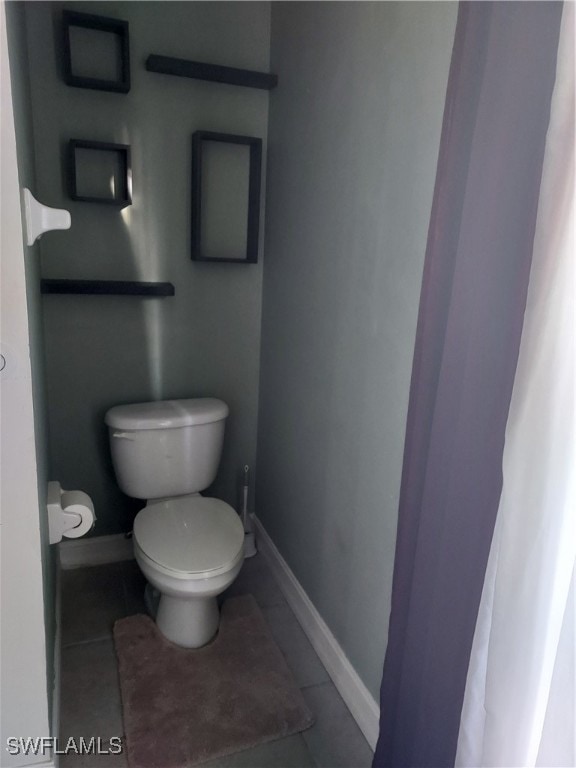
(70, 513)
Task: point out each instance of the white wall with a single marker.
(24, 697)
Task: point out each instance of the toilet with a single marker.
(189, 547)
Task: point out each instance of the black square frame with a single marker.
(101, 24)
(255, 144)
(124, 196)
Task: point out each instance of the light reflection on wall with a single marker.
(152, 309)
(129, 183)
(146, 261)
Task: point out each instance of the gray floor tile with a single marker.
(90, 696)
(92, 600)
(334, 741)
(291, 638)
(255, 563)
(256, 579)
(134, 584)
(290, 752)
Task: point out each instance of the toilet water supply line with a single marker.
(249, 543)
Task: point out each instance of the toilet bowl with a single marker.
(189, 547)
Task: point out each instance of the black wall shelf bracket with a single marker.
(166, 65)
(107, 287)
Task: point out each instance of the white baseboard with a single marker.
(358, 698)
(98, 550)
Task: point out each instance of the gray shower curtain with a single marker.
(470, 320)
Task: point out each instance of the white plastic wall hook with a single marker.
(70, 513)
(40, 218)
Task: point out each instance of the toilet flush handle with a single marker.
(123, 435)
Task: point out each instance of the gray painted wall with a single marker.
(353, 143)
(16, 32)
(102, 351)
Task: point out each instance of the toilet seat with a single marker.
(190, 537)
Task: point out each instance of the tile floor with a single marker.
(92, 600)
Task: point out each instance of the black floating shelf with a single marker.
(166, 65)
(107, 287)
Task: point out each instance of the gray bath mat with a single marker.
(183, 707)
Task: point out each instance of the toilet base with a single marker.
(151, 600)
(190, 623)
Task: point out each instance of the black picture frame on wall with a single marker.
(117, 27)
(248, 251)
(122, 191)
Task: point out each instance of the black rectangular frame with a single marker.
(254, 182)
(101, 24)
(124, 151)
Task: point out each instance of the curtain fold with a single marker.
(520, 702)
(470, 320)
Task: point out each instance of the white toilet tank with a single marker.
(167, 448)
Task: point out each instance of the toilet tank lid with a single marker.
(165, 414)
